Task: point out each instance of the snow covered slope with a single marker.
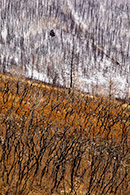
(92, 37)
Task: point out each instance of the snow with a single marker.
(41, 53)
(4, 33)
(37, 75)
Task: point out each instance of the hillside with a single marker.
(91, 39)
(53, 141)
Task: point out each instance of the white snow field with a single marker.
(91, 37)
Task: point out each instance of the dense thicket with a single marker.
(55, 142)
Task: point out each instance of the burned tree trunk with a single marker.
(71, 68)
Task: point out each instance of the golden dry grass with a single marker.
(39, 124)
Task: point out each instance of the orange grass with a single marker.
(37, 107)
(75, 110)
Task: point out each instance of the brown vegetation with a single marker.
(55, 142)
